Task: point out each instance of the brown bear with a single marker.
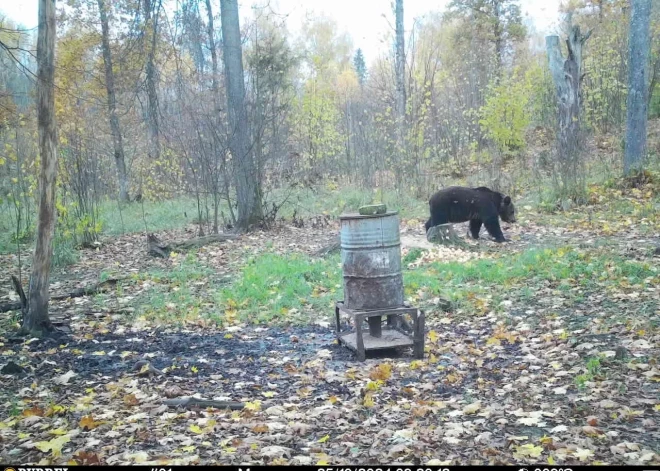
(478, 205)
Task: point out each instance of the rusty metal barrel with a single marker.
(371, 261)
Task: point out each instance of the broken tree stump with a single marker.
(444, 234)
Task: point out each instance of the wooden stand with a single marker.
(377, 338)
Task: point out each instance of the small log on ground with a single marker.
(444, 234)
(190, 402)
(159, 249)
(76, 293)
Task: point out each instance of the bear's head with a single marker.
(507, 210)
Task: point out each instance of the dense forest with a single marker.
(174, 171)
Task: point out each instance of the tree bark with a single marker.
(215, 90)
(115, 129)
(151, 27)
(566, 75)
(248, 191)
(400, 72)
(638, 65)
(498, 33)
(36, 321)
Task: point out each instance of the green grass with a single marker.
(334, 201)
(270, 286)
(274, 288)
(154, 215)
(564, 268)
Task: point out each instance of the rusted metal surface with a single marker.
(371, 261)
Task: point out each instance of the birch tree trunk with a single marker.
(638, 67)
(35, 318)
(115, 130)
(248, 188)
(400, 72)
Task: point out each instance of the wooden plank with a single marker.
(389, 339)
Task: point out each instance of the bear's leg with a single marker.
(438, 217)
(475, 227)
(493, 228)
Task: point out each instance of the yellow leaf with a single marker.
(269, 394)
(529, 450)
(58, 431)
(253, 406)
(55, 445)
(382, 372)
(324, 439)
(582, 454)
(551, 460)
(416, 364)
(472, 408)
(229, 336)
(88, 422)
(368, 401)
(196, 429)
(36, 411)
(433, 336)
(194, 369)
(374, 385)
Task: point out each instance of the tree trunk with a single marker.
(498, 33)
(215, 90)
(151, 27)
(566, 75)
(36, 320)
(638, 64)
(248, 191)
(115, 130)
(400, 72)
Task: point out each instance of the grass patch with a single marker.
(158, 215)
(274, 287)
(481, 283)
(269, 288)
(331, 200)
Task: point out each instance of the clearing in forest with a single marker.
(548, 354)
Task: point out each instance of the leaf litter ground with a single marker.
(565, 374)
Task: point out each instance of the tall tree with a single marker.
(248, 187)
(151, 12)
(638, 69)
(400, 73)
(35, 318)
(499, 20)
(115, 129)
(360, 66)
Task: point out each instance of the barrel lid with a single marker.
(362, 216)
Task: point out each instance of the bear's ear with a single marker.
(507, 200)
